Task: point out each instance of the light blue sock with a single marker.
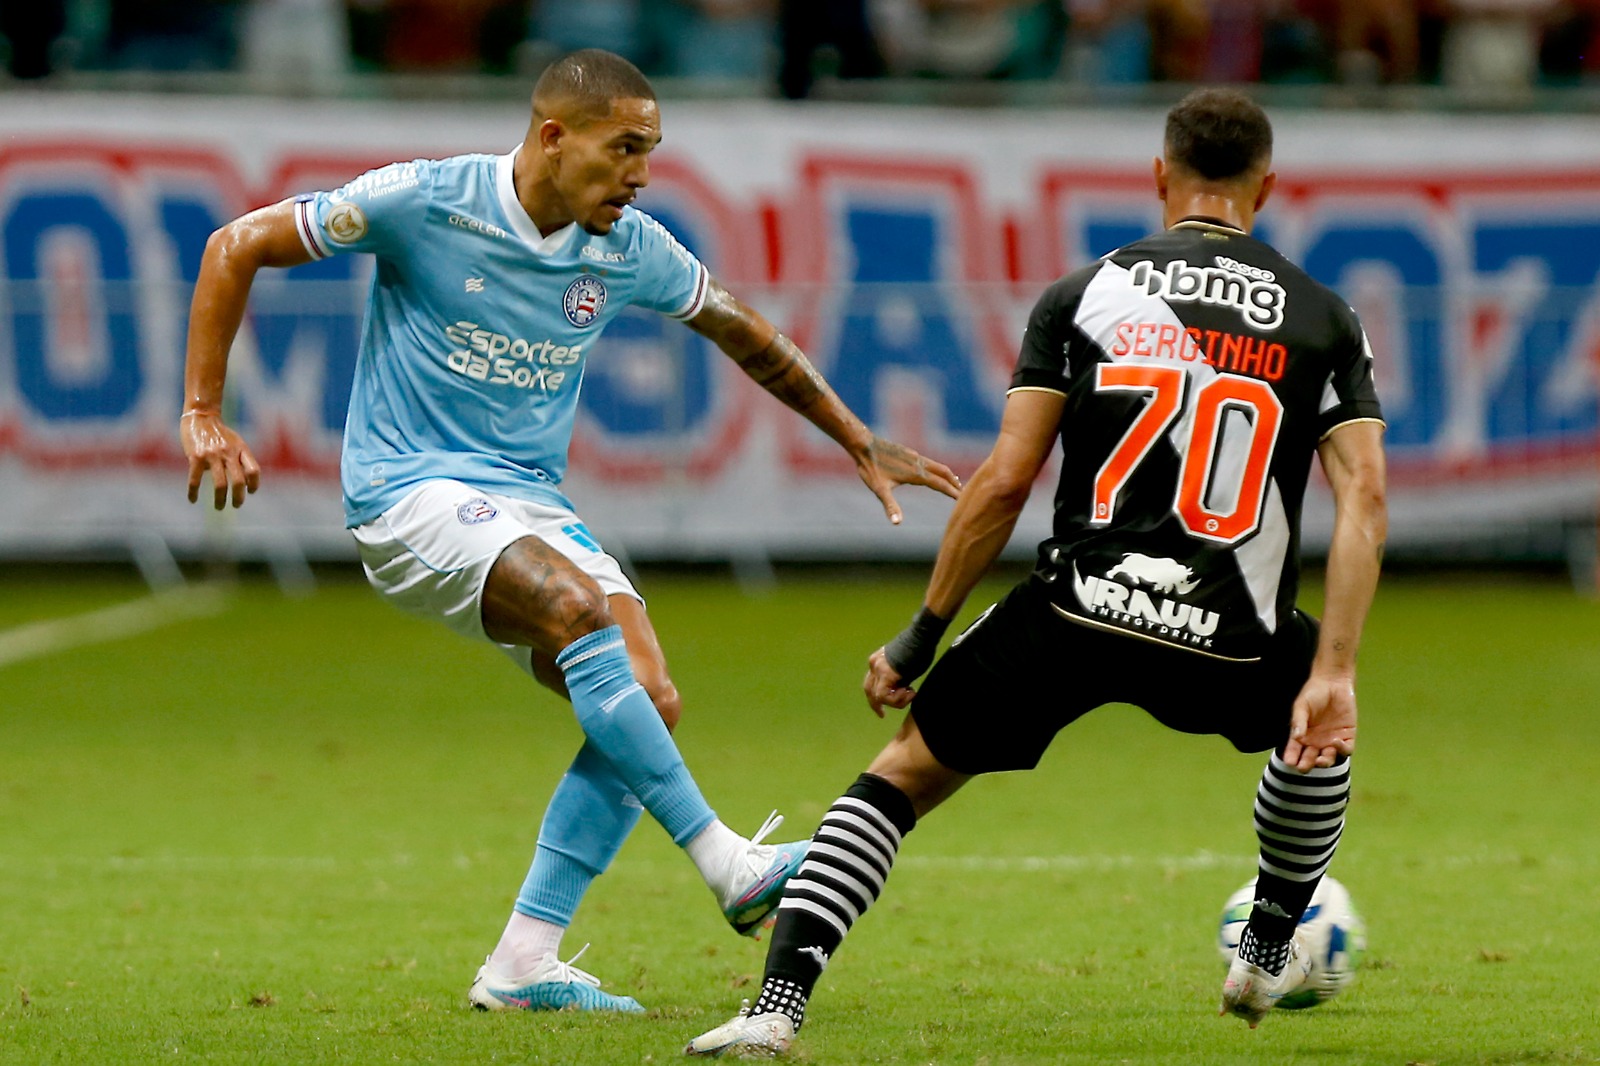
(590, 815)
(620, 721)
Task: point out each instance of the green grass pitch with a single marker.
(288, 833)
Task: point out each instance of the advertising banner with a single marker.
(902, 248)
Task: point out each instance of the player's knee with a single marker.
(577, 606)
(908, 764)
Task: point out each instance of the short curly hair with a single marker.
(1218, 134)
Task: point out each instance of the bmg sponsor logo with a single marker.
(1260, 299)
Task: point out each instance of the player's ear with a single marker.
(1159, 168)
(550, 133)
(1268, 183)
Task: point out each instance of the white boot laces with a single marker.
(566, 973)
(774, 820)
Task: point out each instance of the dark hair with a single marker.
(1218, 134)
(590, 78)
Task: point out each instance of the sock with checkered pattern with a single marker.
(844, 871)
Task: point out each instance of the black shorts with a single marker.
(997, 697)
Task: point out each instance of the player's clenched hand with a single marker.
(1323, 724)
(886, 464)
(883, 685)
(212, 447)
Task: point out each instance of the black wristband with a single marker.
(912, 652)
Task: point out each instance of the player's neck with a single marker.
(1221, 210)
(537, 194)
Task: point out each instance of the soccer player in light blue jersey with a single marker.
(495, 277)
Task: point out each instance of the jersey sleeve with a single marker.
(671, 279)
(1351, 394)
(1042, 363)
(376, 212)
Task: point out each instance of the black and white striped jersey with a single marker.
(1201, 370)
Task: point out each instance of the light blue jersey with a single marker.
(477, 327)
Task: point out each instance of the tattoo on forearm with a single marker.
(1338, 645)
(778, 366)
(720, 312)
(783, 370)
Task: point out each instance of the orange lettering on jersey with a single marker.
(1141, 338)
(1250, 359)
(1272, 365)
(1232, 347)
(1238, 353)
(1124, 340)
(1166, 340)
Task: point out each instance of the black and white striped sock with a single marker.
(845, 870)
(1299, 818)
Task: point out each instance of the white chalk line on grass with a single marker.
(35, 640)
(51, 865)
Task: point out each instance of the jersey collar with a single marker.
(1206, 222)
(506, 191)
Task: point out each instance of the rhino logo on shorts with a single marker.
(1162, 575)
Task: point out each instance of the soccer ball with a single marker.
(1331, 928)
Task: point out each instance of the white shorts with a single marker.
(430, 553)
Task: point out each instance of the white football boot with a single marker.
(755, 880)
(553, 985)
(1249, 991)
(765, 1036)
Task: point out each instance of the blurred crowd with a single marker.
(790, 44)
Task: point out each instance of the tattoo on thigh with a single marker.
(538, 595)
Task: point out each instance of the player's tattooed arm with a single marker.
(772, 361)
(777, 364)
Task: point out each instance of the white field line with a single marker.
(1014, 864)
(37, 639)
(342, 865)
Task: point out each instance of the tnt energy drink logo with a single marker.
(1252, 292)
(1158, 612)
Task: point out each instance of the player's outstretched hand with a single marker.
(886, 464)
(1323, 724)
(883, 685)
(210, 446)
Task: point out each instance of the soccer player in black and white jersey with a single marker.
(1190, 377)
